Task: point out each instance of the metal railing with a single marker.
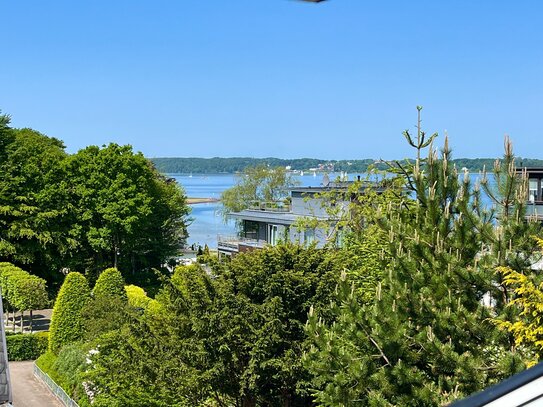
(55, 388)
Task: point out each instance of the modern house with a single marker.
(535, 191)
(267, 223)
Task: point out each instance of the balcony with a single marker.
(238, 244)
(535, 210)
(271, 206)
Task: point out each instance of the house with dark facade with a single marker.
(535, 191)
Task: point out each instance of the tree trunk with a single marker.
(248, 401)
(14, 317)
(30, 321)
(22, 321)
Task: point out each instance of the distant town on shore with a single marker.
(232, 165)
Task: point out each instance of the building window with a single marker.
(309, 236)
(250, 229)
(340, 236)
(532, 197)
(273, 234)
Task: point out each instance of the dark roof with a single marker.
(506, 387)
(530, 170)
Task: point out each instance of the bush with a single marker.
(101, 315)
(45, 362)
(68, 366)
(110, 284)
(66, 322)
(27, 346)
(137, 298)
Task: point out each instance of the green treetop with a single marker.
(110, 283)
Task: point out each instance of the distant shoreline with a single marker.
(194, 201)
(233, 165)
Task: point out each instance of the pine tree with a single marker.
(426, 339)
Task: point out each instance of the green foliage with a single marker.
(235, 336)
(27, 346)
(31, 206)
(69, 366)
(137, 298)
(365, 257)
(98, 208)
(67, 369)
(126, 215)
(110, 283)
(104, 314)
(426, 338)
(527, 330)
(22, 291)
(66, 321)
(257, 184)
(45, 363)
(105, 311)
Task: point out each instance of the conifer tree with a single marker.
(426, 339)
(110, 284)
(66, 321)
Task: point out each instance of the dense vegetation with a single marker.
(430, 296)
(98, 208)
(217, 165)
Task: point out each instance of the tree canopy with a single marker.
(100, 207)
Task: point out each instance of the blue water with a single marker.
(207, 222)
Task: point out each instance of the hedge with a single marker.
(27, 346)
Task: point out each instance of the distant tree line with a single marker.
(218, 165)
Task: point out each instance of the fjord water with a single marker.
(207, 222)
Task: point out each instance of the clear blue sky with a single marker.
(339, 79)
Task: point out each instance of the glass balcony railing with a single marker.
(233, 242)
(535, 209)
(271, 206)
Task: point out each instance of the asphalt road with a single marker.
(27, 390)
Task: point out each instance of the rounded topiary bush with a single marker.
(66, 321)
(137, 298)
(110, 284)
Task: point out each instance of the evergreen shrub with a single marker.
(110, 283)
(66, 322)
(137, 298)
